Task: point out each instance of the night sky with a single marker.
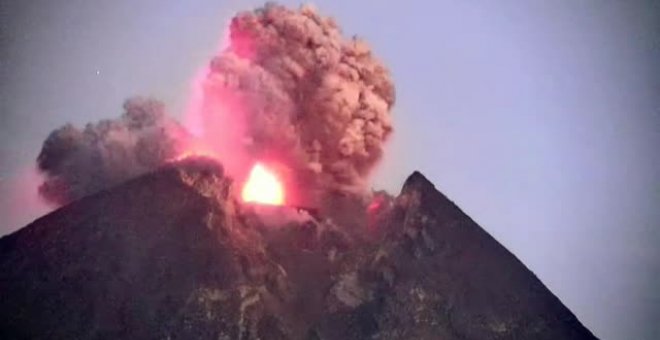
(540, 119)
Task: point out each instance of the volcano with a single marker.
(173, 255)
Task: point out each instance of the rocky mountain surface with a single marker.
(172, 255)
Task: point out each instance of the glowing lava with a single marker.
(263, 186)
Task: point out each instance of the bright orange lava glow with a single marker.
(263, 186)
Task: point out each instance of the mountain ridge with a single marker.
(172, 254)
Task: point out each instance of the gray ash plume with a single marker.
(289, 89)
(77, 162)
(302, 94)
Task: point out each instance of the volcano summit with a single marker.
(174, 255)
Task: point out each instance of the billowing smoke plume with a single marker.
(80, 162)
(288, 90)
(294, 90)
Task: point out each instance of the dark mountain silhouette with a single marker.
(171, 255)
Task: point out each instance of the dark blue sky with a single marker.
(540, 119)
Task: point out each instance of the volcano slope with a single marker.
(171, 255)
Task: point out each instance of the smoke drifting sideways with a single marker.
(76, 163)
(289, 89)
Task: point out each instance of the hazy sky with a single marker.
(541, 119)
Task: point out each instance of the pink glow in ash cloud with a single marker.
(21, 204)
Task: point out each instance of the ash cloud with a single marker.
(298, 91)
(288, 90)
(78, 162)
